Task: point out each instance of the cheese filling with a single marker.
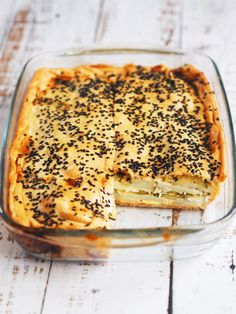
(187, 191)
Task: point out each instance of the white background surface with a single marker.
(203, 285)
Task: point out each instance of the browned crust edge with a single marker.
(143, 204)
(17, 145)
(200, 83)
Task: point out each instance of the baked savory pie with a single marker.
(95, 135)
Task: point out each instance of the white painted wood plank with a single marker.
(17, 272)
(208, 283)
(62, 25)
(138, 21)
(208, 26)
(22, 279)
(6, 8)
(34, 28)
(120, 288)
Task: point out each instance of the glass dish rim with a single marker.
(116, 233)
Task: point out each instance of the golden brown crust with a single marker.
(62, 155)
(178, 106)
(206, 94)
(135, 121)
(165, 127)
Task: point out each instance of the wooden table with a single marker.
(202, 285)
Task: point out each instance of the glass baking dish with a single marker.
(138, 233)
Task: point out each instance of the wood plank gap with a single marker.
(98, 20)
(170, 297)
(46, 286)
(175, 212)
(181, 19)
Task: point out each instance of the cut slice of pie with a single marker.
(169, 142)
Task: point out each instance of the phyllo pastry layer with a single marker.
(95, 135)
(63, 154)
(169, 140)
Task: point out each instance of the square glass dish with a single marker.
(138, 233)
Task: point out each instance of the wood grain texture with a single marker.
(208, 282)
(5, 21)
(22, 278)
(33, 27)
(108, 288)
(136, 21)
(214, 36)
(202, 285)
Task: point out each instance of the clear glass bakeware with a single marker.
(138, 233)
